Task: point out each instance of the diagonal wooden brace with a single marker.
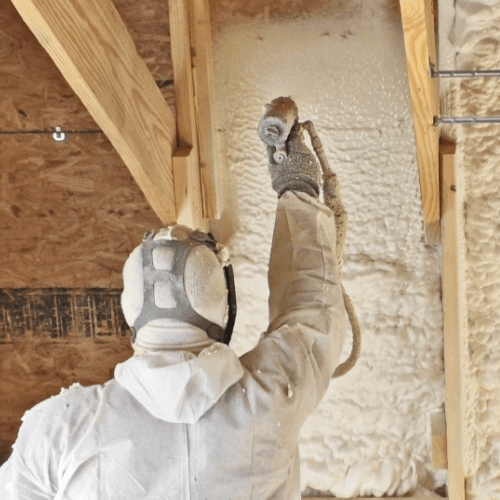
(418, 28)
(92, 48)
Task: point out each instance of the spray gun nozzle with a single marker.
(272, 132)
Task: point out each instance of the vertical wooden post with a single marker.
(204, 93)
(453, 334)
(186, 163)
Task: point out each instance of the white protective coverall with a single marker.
(173, 425)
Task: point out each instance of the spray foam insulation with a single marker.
(470, 40)
(345, 67)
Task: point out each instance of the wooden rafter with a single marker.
(418, 27)
(453, 332)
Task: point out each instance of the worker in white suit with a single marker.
(184, 417)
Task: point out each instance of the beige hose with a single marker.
(333, 200)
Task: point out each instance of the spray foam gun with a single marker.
(274, 129)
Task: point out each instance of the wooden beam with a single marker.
(183, 74)
(418, 27)
(204, 93)
(189, 202)
(93, 50)
(188, 198)
(453, 331)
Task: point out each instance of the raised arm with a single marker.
(297, 355)
(303, 277)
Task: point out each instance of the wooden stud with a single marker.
(453, 334)
(204, 93)
(418, 27)
(93, 50)
(183, 75)
(187, 189)
(189, 203)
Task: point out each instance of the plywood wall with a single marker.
(34, 95)
(70, 212)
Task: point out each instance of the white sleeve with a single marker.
(303, 278)
(302, 346)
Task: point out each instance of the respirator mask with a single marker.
(157, 280)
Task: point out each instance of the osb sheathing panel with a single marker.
(34, 95)
(32, 370)
(70, 212)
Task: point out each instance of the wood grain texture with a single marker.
(186, 164)
(183, 75)
(33, 93)
(61, 313)
(418, 27)
(439, 452)
(188, 199)
(453, 334)
(92, 48)
(32, 370)
(70, 212)
(204, 92)
(148, 24)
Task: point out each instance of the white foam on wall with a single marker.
(474, 40)
(348, 74)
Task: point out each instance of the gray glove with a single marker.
(300, 171)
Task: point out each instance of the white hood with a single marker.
(178, 386)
